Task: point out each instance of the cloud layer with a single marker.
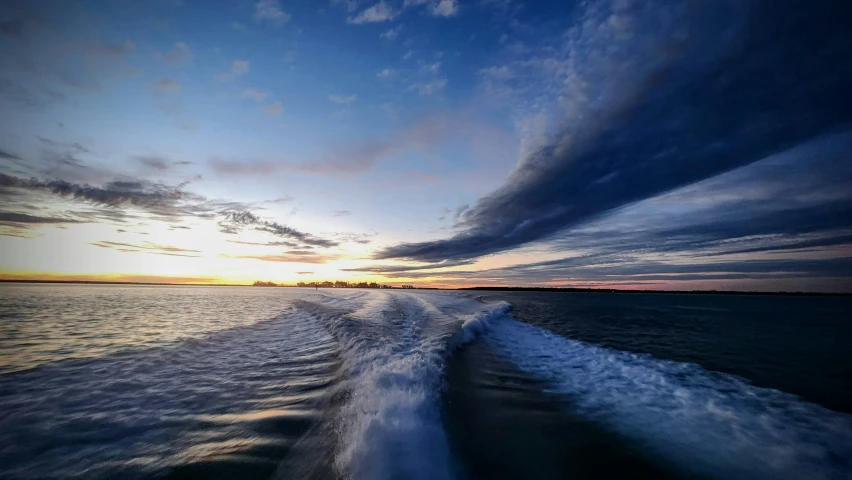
(700, 101)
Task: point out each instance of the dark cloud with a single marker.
(304, 273)
(157, 163)
(407, 268)
(4, 154)
(162, 202)
(788, 217)
(74, 146)
(341, 213)
(651, 270)
(586, 270)
(799, 199)
(737, 86)
(137, 193)
(234, 221)
(7, 218)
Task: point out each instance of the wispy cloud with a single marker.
(444, 8)
(112, 49)
(380, 12)
(281, 200)
(159, 163)
(387, 73)
(430, 87)
(431, 80)
(178, 54)
(349, 158)
(392, 33)
(256, 95)
(148, 247)
(300, 257)
(164, 85)
(274, 108)
(436, 8)
(238, 68)
(270, 11)
(280, 243)
(342, 99)
(408, 268)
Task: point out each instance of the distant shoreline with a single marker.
(485, 289)
(670, 292)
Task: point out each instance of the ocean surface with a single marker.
(139, 382)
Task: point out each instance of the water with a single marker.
(220, 382)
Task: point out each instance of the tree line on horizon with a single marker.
(329, 284)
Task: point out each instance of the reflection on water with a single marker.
(45, 323)
(231, 402)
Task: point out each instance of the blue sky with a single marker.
(440, 142)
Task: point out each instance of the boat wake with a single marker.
(704, 423)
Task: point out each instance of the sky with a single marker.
(614, 143)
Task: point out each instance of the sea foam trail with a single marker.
(394, 347)
(704, 422)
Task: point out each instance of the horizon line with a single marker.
(493, 288)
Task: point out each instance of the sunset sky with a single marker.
(652, 144)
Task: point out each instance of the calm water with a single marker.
(217, 382)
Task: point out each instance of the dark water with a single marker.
(801, 345)
(214, 382)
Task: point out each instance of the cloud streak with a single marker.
(167, 203)
(147, 247)
(292, 257)
(234, 221)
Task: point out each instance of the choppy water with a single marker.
(217, 382)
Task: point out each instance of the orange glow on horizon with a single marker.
(423, 283)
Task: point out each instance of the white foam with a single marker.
(475, 324)
(705, 422)
(394, 345)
